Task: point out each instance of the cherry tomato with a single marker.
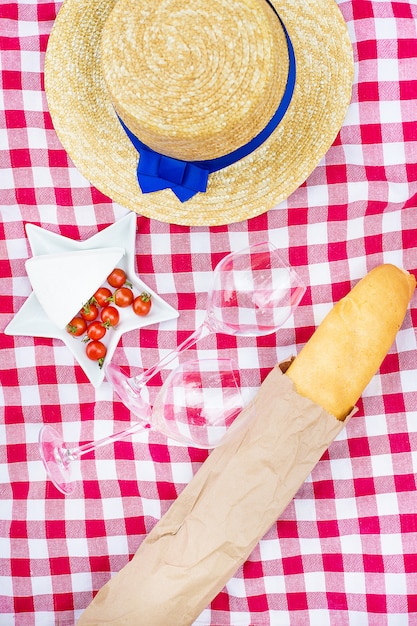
(123, 297)
(102, 296)
(96, 351)
(96, 330)
(142, 304)
(77, 326)
(117, 278)
(110, 316)
(89, 312)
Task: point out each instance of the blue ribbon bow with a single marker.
(156, 171)
(186, 178)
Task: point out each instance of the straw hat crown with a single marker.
(198, 113)
(194, 81)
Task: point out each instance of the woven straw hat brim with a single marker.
(89, 130)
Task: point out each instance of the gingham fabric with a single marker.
(344, 552)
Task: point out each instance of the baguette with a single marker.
(350, 344)
(243, 486)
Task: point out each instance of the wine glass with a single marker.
(253, 293)
(200, 404)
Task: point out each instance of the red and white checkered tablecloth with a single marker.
(344, 552)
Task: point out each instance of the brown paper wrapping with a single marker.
(212, 527)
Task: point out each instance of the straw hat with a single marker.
(227, 107)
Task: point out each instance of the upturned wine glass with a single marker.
(253, 293)
(199, 405)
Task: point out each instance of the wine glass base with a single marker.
(130, 397)
(51, 447)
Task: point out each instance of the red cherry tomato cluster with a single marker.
(101, 313)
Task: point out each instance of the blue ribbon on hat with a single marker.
(186, 178)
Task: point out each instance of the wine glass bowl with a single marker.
(253, 292)
(199, 402)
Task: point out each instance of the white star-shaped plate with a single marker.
(31, 320)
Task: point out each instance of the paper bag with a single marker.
(211, 529)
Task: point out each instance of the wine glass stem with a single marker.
(77, 452)
(199, 333)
